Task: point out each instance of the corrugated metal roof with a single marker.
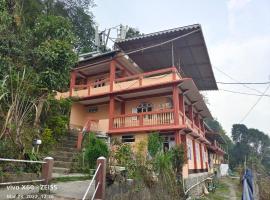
(194, 26)
(153, 51)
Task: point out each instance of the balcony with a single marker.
(192, 126)
(154, 119)
(125, 83)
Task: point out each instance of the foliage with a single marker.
(133, 32)
(95, 149)
(30, 167)
(7, 150)
(154, 144)
(47, 139)
(78, 13)
(249, 144)
(178, 159)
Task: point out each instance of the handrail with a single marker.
(26, 161)
(145, 74)
(89, 186)
(185, 192)
(19, 182)
(94, 194)
(143, 113)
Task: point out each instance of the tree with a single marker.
(78, 13)
(250, 143)
(133, 32)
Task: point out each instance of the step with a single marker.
(59, 157)
(67, 149)
(63, 153)
(62, 164)
(60, 170)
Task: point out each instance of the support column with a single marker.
(182, 107)
(72, 82)
(101, 178)
(190, 112)
(176, 104)
(184, 142)
(112, 74)
(201, 155)
(47, 169)
(177, 138)
(194, 154)
(111, 111)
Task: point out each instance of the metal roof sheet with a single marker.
(190, 53)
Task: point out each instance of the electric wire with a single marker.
(249, 94)
(245, 83)
(254, 105)
(221, 71)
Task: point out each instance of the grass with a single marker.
(223, 190)
(73, 178)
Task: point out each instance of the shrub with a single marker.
(154, 144)
(123, 154)
(95, 149)
(32, 167)
(47, 140)
(178, 160)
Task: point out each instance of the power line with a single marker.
(250, 94)
(237, 80)
(245, 83)
(253, 106)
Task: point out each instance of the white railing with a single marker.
(47, 165)
(99, 178)
(90, 184)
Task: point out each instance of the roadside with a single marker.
(227, 189)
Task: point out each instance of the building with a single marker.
(151, 83)
(216, 150)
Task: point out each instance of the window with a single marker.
(144, 107)
(99, 82)
(93, 109)
(128, 138)
(197, 149)
(189, 148)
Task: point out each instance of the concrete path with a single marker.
(232, 187)
(60, 191)
(73, 190)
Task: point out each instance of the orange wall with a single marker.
(156, 101)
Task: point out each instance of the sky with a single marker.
(237, 34)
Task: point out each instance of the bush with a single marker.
(47, 140)
(95, 149)
(154, 144)
(32, 167)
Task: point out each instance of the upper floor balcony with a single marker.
(104, 85)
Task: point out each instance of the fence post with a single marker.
(101, 178)
(79, 140)
(47, 169)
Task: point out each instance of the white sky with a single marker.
(237, 34)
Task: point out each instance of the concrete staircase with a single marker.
(63, 154)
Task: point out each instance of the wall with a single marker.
(155, 101)
(139, 138)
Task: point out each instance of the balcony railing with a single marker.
(157, 118)
(130, 82)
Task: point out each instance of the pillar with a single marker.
(194, 154)
(176, 104)
(101, 178)
(112, 74)
(111, 111)
(47, 169)
(182, 107)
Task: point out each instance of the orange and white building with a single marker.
(150, 83)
